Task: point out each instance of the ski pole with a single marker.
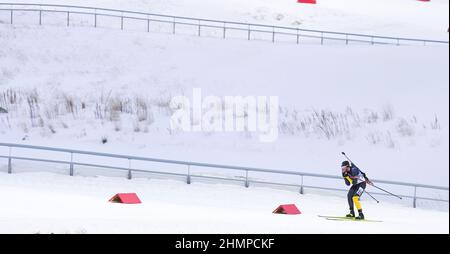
(372, 197)
(387, 192)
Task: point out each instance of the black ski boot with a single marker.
(360, 216)
(351, 214)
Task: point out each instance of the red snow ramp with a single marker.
(126, 198)
(307, 1)
(287, 209)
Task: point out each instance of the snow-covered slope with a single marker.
(387, 17)
(53, 203)
(109, 91)
(394, 99)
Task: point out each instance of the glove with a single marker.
(347, 182)
(367, 180)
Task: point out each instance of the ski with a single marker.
(352, 219)
(342, 218)
(333, 217)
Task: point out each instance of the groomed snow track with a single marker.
(187, 170)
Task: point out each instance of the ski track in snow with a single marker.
(52, 203)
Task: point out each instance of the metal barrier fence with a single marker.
(296, 35)
(189, 176)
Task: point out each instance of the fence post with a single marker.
(371, 40)
(95, 19)
(9, 162)
(301, 187)
(148, 25)
(71, 164)
(121, 22)
(321, 38)
(68, 18)
(199, 28)
(224, 30)
(415, 197)
(249, 31)
(11, 16)
(298, 36)
(189, 175)
(174, 24)
(40, 17)
(346, 39)
(129, 170)
(273, 34)
(247, 184)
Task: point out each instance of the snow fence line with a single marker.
(221, 28)
(188, 175)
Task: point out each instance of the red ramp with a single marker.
(287, 209)
(126, 198)
(307, 1)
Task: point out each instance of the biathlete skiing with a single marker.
(358, 180)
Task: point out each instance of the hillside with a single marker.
(410, 18)
(106, 90)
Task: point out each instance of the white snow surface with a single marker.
(54, 203)
(86, 64)
(410, 18)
